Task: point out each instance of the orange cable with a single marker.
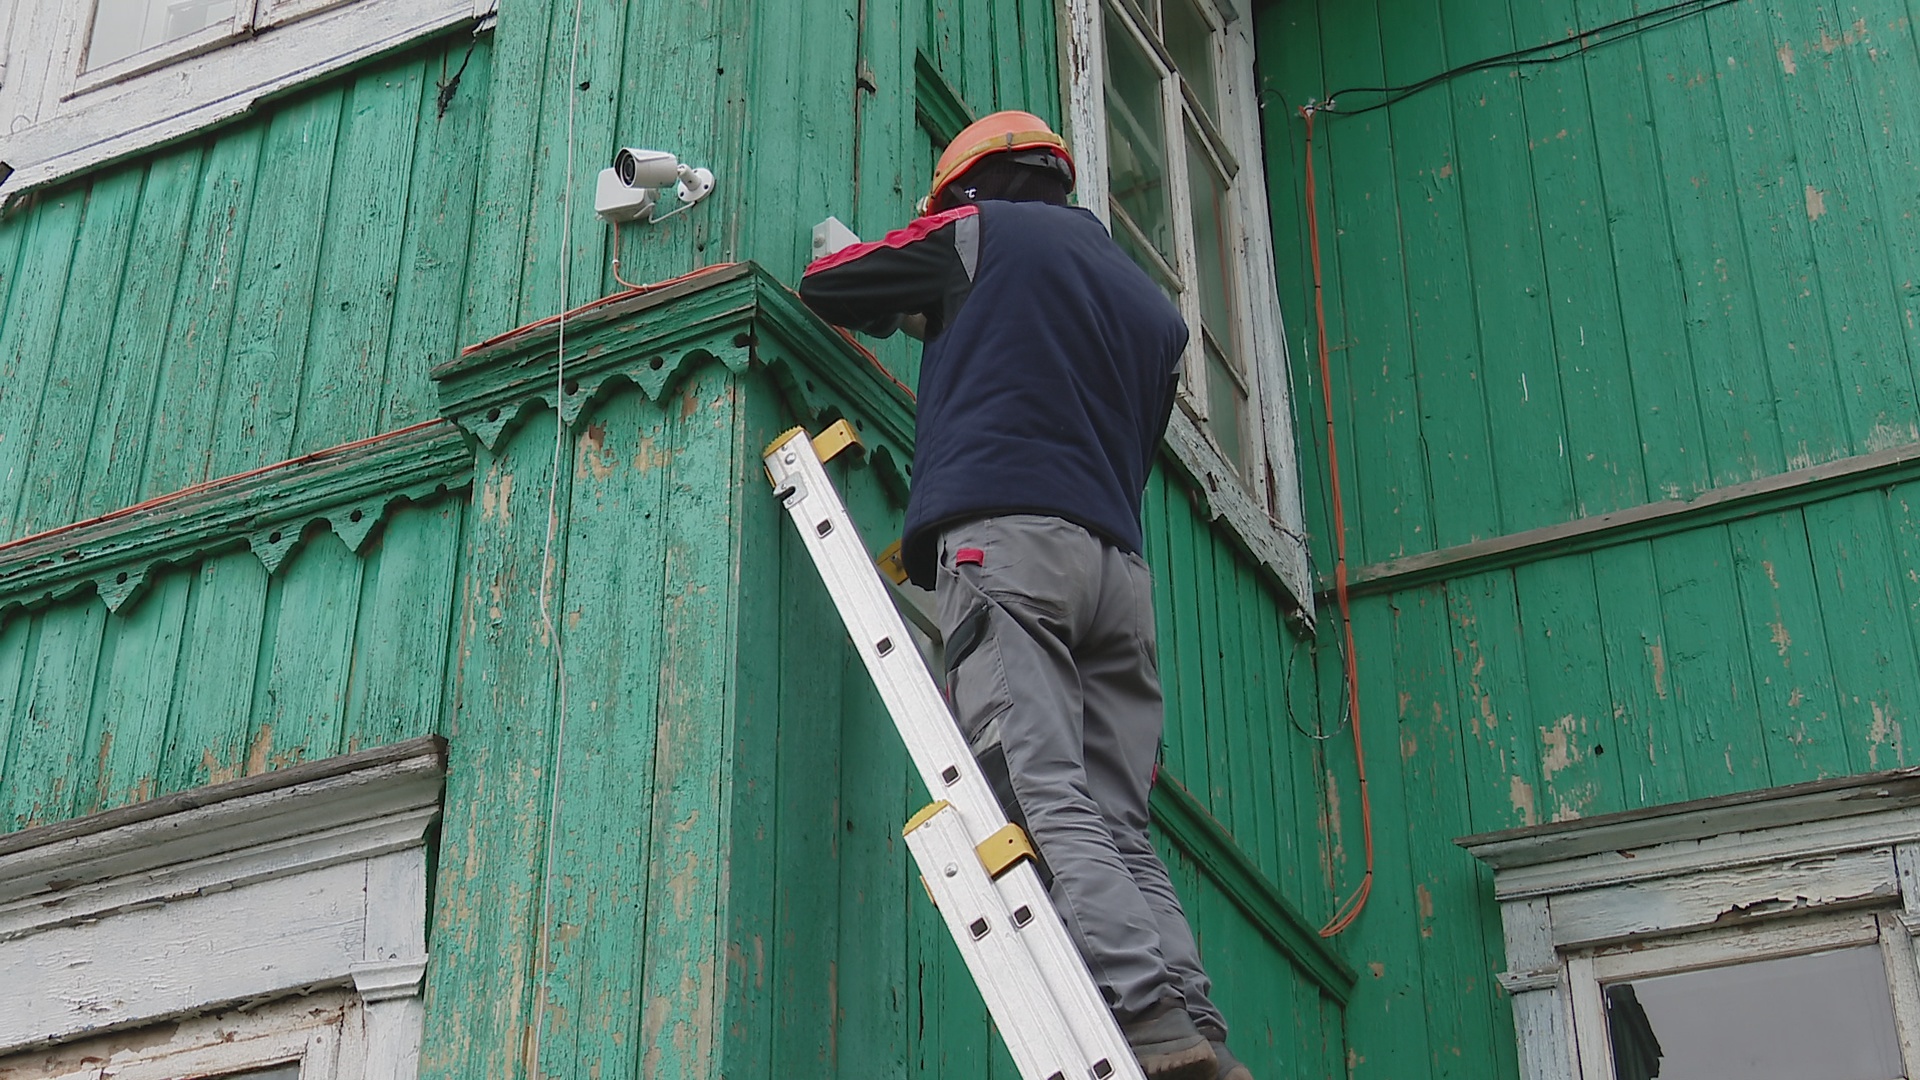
(1350, 908)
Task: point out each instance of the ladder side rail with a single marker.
(994, 946)
(1065, 972)
(906, 688)
(945, 763)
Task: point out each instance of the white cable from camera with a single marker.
(547, 567)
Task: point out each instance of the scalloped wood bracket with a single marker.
(734, 314)
(349, 489)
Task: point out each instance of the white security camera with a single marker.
(630, 189)
(646, 168)
(616, 202)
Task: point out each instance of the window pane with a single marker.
(1226, 409)
(1190, 40)
(1148, 10)
(1213, 249)
(1136, 140)
(1827, 1016)
(124, 27)
(289, 1071)
(1125, 238)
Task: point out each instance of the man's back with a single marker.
(1050, 379)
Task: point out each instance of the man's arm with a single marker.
(911, 276)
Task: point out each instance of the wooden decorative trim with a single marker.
(431, 747)
(738, 315)
(735, 314)
(1279, 555)
(315, 878)
(1183, 820)
(350, 488)
(1795, 869)
(1699, 819)
(936, 104)
(1521, 982)
(365, 803)
(1833, 480)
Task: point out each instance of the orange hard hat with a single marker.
(996, 133)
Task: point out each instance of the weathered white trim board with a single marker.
(324, 1033)
(243, 892)
(61, 119)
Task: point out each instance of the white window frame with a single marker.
(58, 119)
(1759, 875)
(1591, 971)
(266, 888)
(1261, 506)
(322, 1033)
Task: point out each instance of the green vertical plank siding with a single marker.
(1501, 234)
(1869, 629)
(258, 396)
(1632, 228)
(1460, 1012)
(433, 266)
(209, 735)
(365, 212)
(187, 387)
(300, 699)
(131, 707)
(499, 770)
(1431, 198)
(1567, 682)
(233, 301)
(27, 335)
(58, 436)
(220, 670)
(1697, 241)
(730, 894)
(1581, 292)
(1649, 718)
(680, 994)
(407, 620)
(44, 745)
(1786, 637)
(155, 261)
(612, 640)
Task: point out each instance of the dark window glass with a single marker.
(1825, 1016)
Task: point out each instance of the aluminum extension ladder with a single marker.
(978, 866)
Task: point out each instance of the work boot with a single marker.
(1229, 1066)
(1169, 1046)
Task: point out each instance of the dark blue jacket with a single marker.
(1049, 371)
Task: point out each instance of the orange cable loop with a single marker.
(1349, 909)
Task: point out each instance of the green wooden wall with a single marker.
(1674, 264)
(729, 887)
(274, 287)
(775, 922)
(221, 670)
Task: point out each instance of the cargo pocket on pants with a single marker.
(976, 675)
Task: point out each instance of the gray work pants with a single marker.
(1054, 676)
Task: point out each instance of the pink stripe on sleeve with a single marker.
(917, 229)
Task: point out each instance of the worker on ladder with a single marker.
(1048, 379)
